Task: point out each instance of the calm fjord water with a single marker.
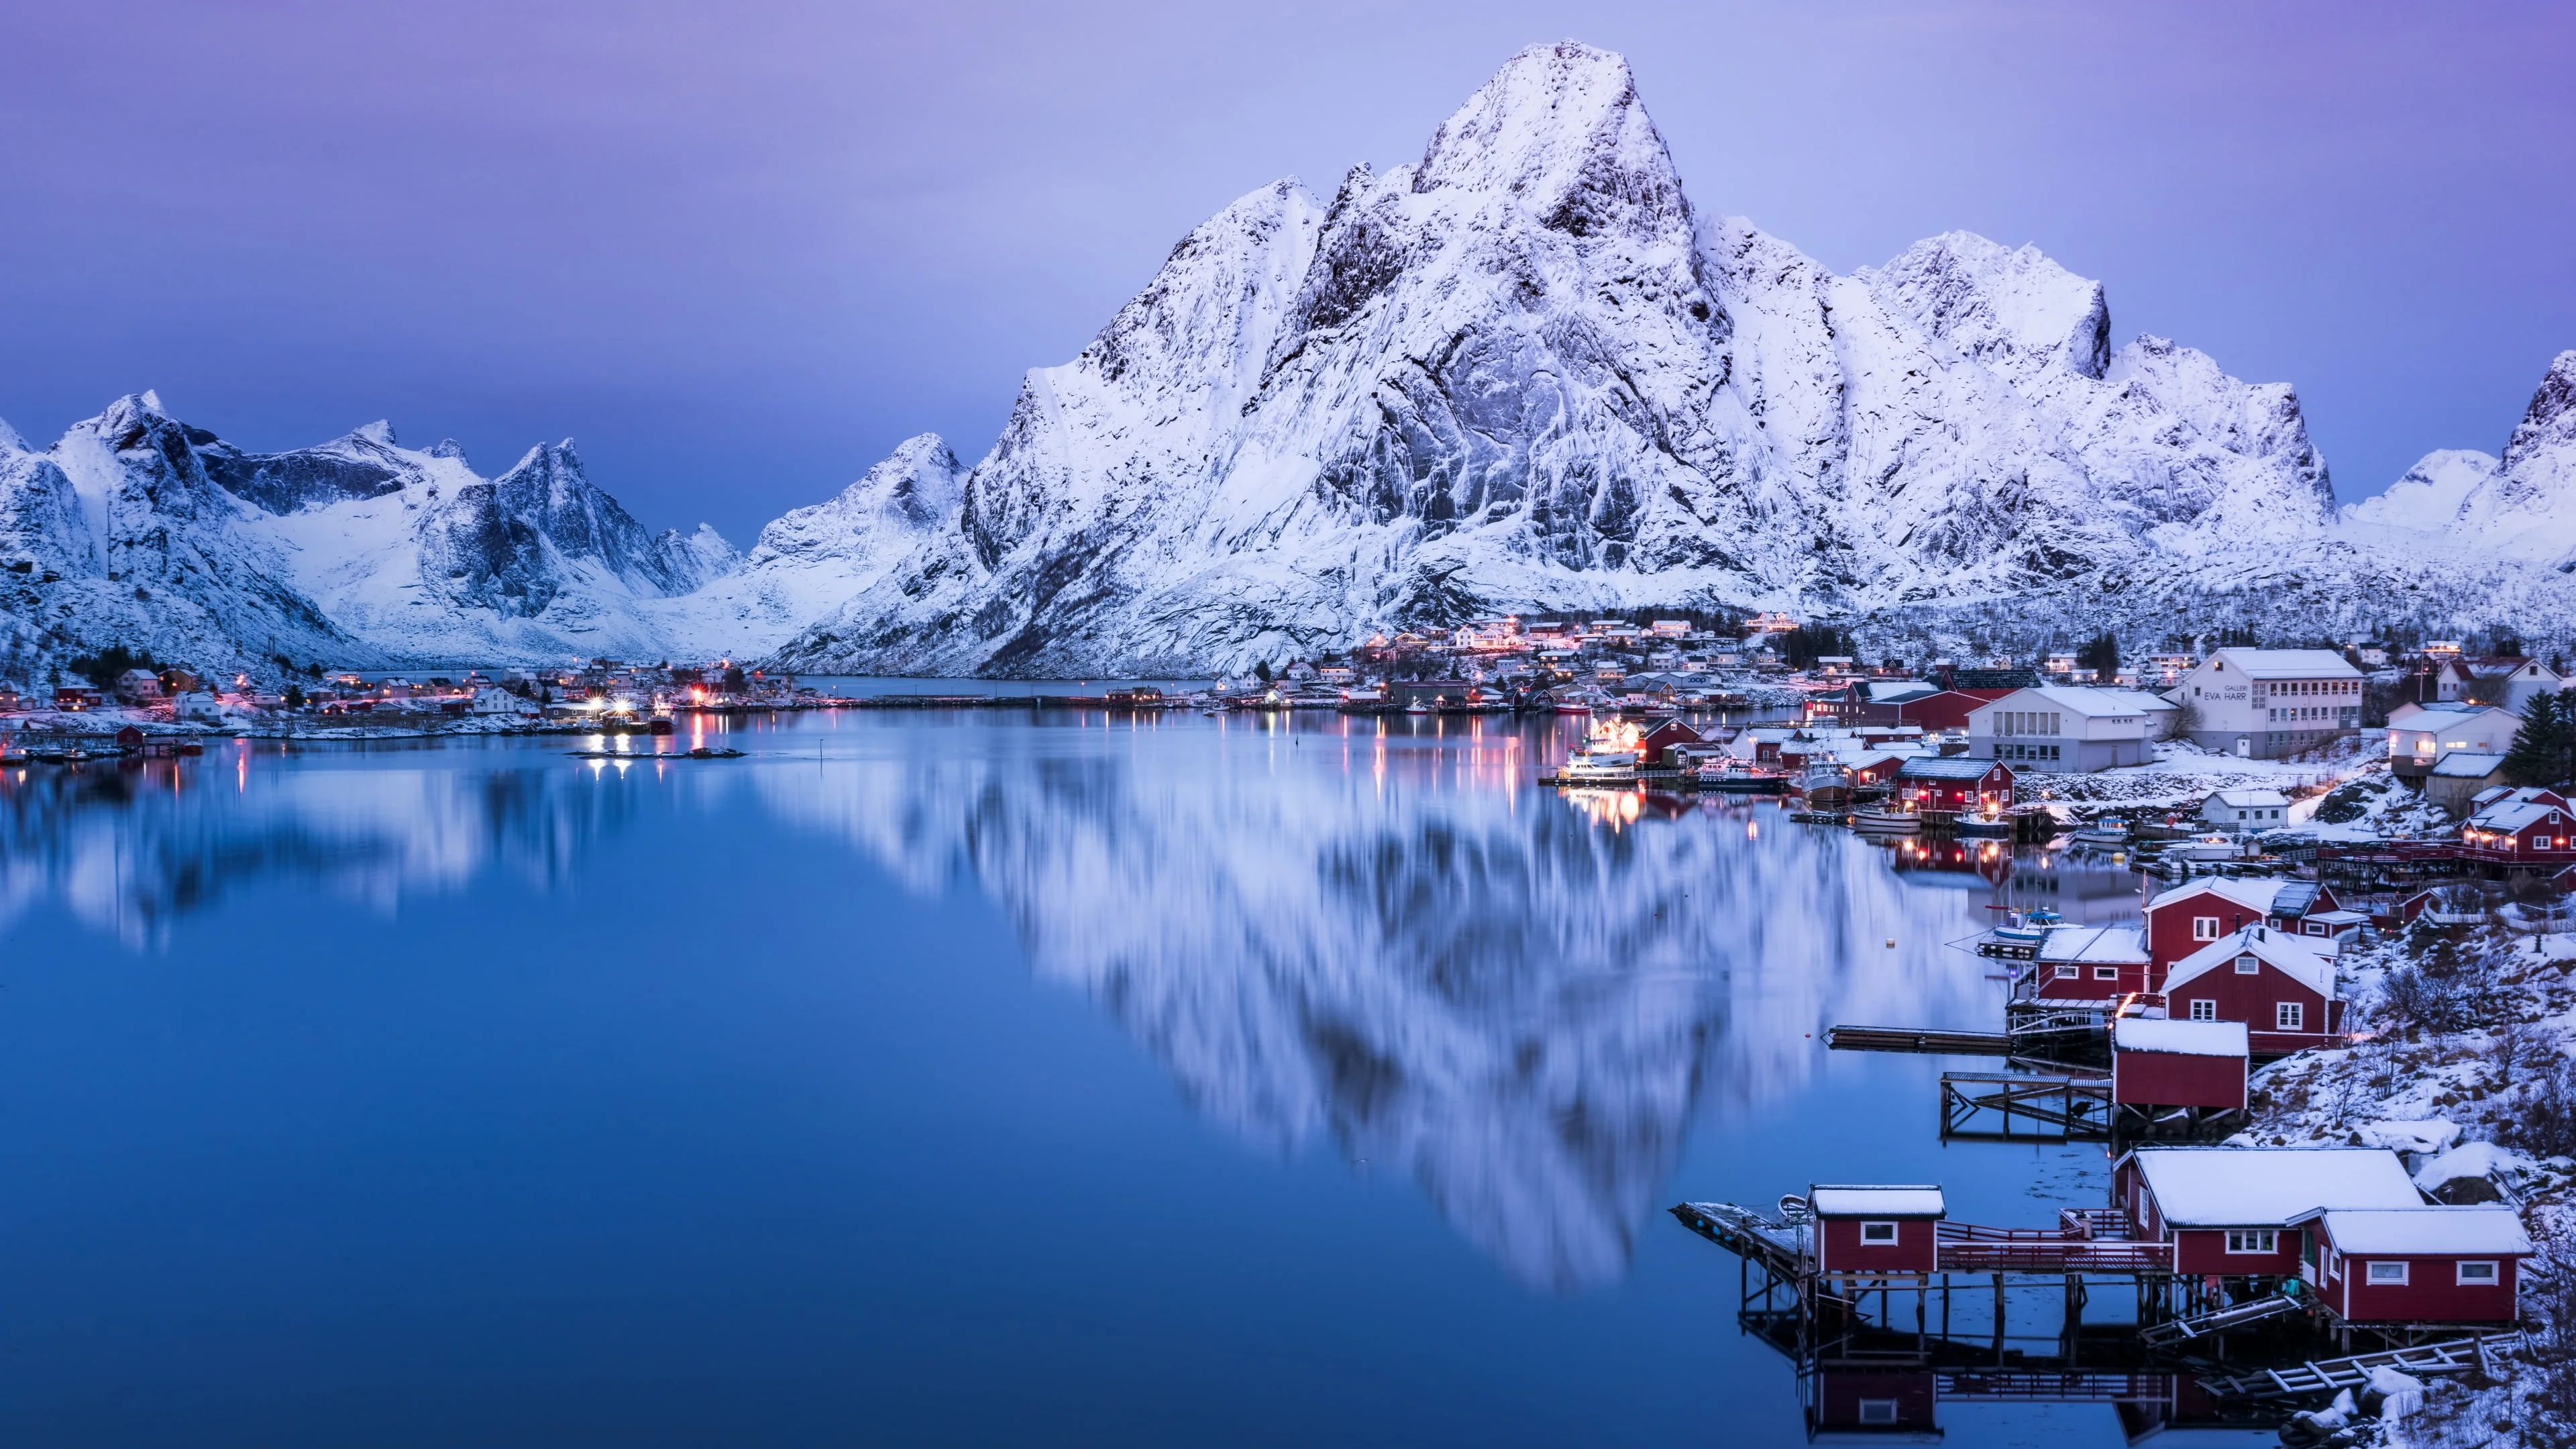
(969, 1078)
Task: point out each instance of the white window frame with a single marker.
(2204, 1009)
(2249, 964)
(2253, 1240)
(2289, 1016)
(2460, 1273)
(1877, 1411)
(2106, 973)
(2204, 928)
(2373, 1276)
(1867, 1240)
(2068, 971)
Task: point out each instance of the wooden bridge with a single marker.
(2324, 1376)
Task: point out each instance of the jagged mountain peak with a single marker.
(10, 441)
(1556, 120)
(2550, 420)
(2000, 305)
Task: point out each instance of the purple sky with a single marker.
(738, 251)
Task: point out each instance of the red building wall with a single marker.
(2172, 1079)
(2430, 1294)
(1947, 710)
(2089, 984)
(2204, 1250)
(2254, 1000)
(1841, 1392)
(1839, 1248)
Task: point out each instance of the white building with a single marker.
(2419, 735)
(2264, 703)
(2246, 809)
(2064, 728)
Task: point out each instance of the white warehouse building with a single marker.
(2265, 703)
(2068, 729)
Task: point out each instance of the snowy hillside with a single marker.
(1523, 371)
(2520, 507)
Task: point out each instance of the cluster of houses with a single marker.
(600, 686)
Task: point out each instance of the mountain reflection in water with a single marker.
(1380, 935)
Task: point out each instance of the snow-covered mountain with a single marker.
(1522, 372)
(2520, 507)
(1525, 372)
(811, 560)
(140, 530)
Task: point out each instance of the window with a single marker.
(2204, 1011)
(2106, 973)
(2248, 965)
(1878, 1411)
(1878, 1234)
(2289, 1016)
(2204, 928)
(2391, 1273)
(2477, 1275)
(2315, 929)
(2068, 970)
(2253, 1240)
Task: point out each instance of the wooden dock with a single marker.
(1918, 1039)
(2325, 1376)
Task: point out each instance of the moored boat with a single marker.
(1885, 822)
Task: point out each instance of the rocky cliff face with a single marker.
(1524, 372)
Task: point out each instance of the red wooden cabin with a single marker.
(1876, 1229)
(2187, 918)
(1875, 1402)
(2521, 830)
(2228, 1210)
(2281, 986)
(2089, 965)
(1954, 782)
(2178, 1063)
(1663, 737)
(2417, 1264)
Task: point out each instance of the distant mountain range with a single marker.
(1520, 373)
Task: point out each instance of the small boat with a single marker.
(191, 747)
(10, 759)
(48, 757)
(1417, 707)
(1743, 782)
(1885, 822)
(75, 757)
(1598, 767)
(1982, 827)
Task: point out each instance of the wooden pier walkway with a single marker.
(2324, 1376)
(1918, 1039)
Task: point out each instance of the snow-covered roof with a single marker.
(2289, 663)
(2338, 918)
(2249, 799)
(2091, 703)
(2228, 1187)
(1895, 691)
(2301, 959)
(2512, 815)
(2104, 944)
(2180, 1038)
(1944, 767)
(2438, 718)
(1848, 1201)
(2482, 1228)
(2468, 764)
(2254, 895)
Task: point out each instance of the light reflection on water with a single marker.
(1372, 934)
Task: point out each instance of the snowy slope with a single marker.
(2517, 508)
(812, 559)
(1524, 372)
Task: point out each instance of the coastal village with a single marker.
(2323, 1038)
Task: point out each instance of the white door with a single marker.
(2244, 747)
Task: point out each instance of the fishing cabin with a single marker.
(2184, 920)
(2179, 1063)
(1876, 1229)
(2228, 1211)
(2417, 1264)
(1954, 783)
(2090, 965)
(2281, 986)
